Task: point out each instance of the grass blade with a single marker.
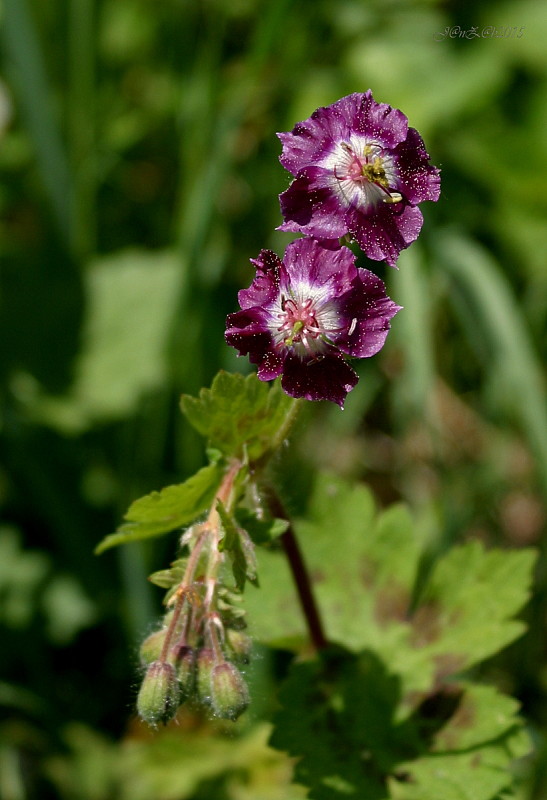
(512, 362)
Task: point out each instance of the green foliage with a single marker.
(173, 764)
(388, 719)
(341, 717)
(166, 578)
(365, 565)
(161, 512)
(487, 306)
(123, 355)
(29, 589)
(241, 417)
(467, 605)
(139, 174)
(261, 531)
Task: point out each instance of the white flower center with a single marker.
(303, 319)
(363, 173)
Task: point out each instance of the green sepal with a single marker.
(240, 416)
(162, 512)
(166, 578)
(229, 692)
(159, 695)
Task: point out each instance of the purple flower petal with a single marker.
(312, 310)
(308, 263)
(372, 311)
(419, 180)
(263, 289)
(311, 139)
(386, 232)
(330, 378)
(359, 170)
(247, 333)
(315, 212)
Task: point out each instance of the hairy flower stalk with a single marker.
(194, 639)
(359, 171)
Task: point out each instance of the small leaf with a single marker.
(261, 531)
(237, 543)
(240, 416)
(249, 554)
(161, 512)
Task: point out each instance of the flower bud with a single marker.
(229, 693)
(240, 645)
(159, 695)
(150, 649)
(184, 660)
(206, 662)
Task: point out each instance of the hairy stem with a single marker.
(209, 533)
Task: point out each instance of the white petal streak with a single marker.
(348, 182)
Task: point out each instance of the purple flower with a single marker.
(301, 316)
(359, 169)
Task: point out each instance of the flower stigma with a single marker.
(301, 326)
(367, 176)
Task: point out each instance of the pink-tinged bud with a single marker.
(240, 645)
(150, 649)
(184, 660)
(229, 693)
(159, 695)
(206, 662)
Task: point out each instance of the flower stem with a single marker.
(208, 536)
(301, 577)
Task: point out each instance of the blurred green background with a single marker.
(139, 173)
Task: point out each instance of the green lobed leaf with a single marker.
(317, 701)
(240, 416)
(364, 567)
(340, 718)
(480, 773)
(387, 723)
(161, 512)
(469, 601)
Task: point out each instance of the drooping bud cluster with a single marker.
(195, 659)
